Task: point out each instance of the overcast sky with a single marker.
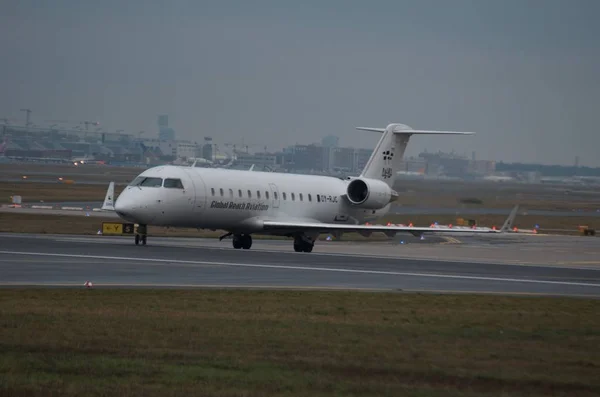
(522, 74)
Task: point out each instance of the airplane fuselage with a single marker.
(233, 199)
(299, 206)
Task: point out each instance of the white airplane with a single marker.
(246, 202)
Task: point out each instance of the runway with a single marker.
(166, 262)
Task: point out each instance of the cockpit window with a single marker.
(173, 183)
(151, 182)
(137, 181)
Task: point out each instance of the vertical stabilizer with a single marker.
(510, 221)
(109, 199)
(387, 156)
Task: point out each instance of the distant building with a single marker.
(306, 157)
(208, 149)
(412, 165)
(165, 133)
(342, 159)
(185, 150)
(177, 149)
(361, 158)
(259, 160)
(330, 141)
(482, 167)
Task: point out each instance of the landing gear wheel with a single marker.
(237, 242)
(303, 246)
(140, 235)
(243, 241)
(246, 241)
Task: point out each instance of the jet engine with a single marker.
(369, 193)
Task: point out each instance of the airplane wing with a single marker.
(389, 230)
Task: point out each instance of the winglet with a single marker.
(508, 224)
(109, 201)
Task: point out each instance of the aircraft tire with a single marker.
(246, 241)
(302, 246)
(144, 240)
(137, 239)
(237, 242)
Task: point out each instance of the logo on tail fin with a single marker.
(388, 156)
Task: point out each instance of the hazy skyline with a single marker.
(522, 74)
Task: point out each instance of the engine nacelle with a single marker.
(370, 194)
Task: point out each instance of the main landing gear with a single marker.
(140, 235)
(243, 241)
(303, 244)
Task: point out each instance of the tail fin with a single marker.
(387, 156)
(109, 199)
(508, 224)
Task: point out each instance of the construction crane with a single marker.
(27, 116)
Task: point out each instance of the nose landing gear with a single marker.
(140, 235)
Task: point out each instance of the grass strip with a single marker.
(99, 342)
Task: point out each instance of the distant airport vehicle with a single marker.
(246, 202)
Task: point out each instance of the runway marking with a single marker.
(413, 254)
(399, 256)
(232, 286)
(321, 269)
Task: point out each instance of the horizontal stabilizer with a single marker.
(416, 132)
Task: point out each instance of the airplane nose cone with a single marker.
(125, 208)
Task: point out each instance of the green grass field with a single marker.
(70, 342)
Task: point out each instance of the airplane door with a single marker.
(275, 195)
(197, 195)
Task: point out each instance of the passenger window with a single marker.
(173, 183)
(275, 195)
(293, 197)
(309, 197)
(300, 196)
(267, 195)
(284, 196)
(212, 191)
(318, 198)
(231, 193)
(249, 194)
(221, 192)
(240, 192)
(258, 193)
(152, 182)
